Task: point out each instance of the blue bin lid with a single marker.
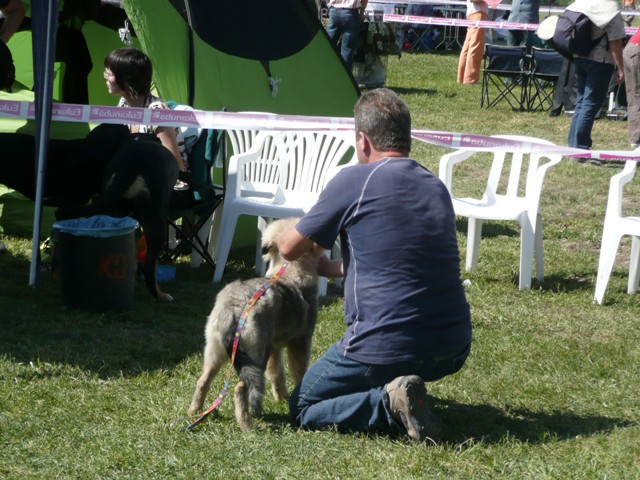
(100, 226)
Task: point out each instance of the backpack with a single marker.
(572, 35)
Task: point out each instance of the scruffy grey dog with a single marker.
(285, 316)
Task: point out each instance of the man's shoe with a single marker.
(409, 407)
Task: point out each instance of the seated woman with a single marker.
(128, 72)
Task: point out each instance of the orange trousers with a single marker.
(472, 52)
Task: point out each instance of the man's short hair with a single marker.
(385, 119)
(132, 69)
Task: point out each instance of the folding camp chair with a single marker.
(505, 71)
(545, 67)
(191, 211)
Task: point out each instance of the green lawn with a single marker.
(551, 389)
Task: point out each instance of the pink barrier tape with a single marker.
(461, 22)
(466, 141)
(67, 112)
(439, 3)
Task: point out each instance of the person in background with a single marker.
(524, 11)
(345, 21)
(628, 5)
(594, 72)
(473, 48)
(408, 320)
(631, 60)
(13, 13)
(128, 73)
(72, 49)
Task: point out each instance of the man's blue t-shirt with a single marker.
(404, 299)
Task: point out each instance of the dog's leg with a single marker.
(275, 375)
(241, 397)
(298, 354)
(214, 357)
(252, 376)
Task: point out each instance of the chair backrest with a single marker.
(286, 162)
(546, 62)
(616, 187)
(510, 173)
(241, 140)
(519, 183)
(505, 59)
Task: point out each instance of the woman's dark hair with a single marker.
(132, 69)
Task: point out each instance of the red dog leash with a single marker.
(236, 340)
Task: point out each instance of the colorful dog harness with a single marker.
(236, 340)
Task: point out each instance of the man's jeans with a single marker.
(351, 395)
(593, 81)
(346, 22)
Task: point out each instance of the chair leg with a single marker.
(323, 281)
(474, 231)
(634, 266)
(527, 242)
(203, 234)
(608, 251)
(336, 253)
(538, 249)
(224, 244)
(214, 233)
(261, 266)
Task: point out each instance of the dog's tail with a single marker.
(253, 378)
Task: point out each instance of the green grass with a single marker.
(551, 389)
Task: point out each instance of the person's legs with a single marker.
(352, 395)
(631, 57)
(462, 60)
(593, 79)
(71, 48)
(350, 35)
(515, 38)
(580, 80)
(334, 27)
(339, 391)
(474, 51)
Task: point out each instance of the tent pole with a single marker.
(44, 24)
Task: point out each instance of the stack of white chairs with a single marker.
(280, 176)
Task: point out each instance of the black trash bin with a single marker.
(97, 262)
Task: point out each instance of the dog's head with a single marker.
(308, 262)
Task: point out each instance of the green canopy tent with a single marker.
(246, 55)
(242, 55)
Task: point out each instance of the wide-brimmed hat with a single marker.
(547, 27)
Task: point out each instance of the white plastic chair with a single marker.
(519, 202)
(281, 176)
(615, 226)
(240, 141)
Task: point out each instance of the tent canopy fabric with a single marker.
(245, 55)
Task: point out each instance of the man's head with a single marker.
(383, 120)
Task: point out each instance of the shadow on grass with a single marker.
(491, 229)
(411, 91)
(37, 327)
(492, 425)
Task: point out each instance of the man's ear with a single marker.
(366, 145)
